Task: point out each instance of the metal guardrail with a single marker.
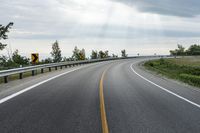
(6, 73)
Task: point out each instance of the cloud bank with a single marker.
(182, 8)
(109, 22)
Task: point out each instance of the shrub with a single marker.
(192, 79)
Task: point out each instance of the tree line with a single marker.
(182, 51)
(79, 54)
(16, 60)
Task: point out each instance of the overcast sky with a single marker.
(140, 26)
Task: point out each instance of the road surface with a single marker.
(113, 96)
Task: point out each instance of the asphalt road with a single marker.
(134, 100)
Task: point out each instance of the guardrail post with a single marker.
(49, 69)
(56, 68)
(42, 70)
(60, 67)
(33, 72)
(5, 79)
(20, 75)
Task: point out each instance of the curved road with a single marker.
(114, 96)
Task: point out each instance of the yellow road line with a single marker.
(102, 106)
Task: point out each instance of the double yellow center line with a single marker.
(102, 106)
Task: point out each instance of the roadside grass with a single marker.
(186, 60)
(185, 69)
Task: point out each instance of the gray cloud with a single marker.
(182, 8)
(120, 32)
(59, 19)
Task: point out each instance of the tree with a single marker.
(124, 53)
(56, 52)
(173, 52)
(82, 54)
(94, 54)
(106, 54)
(78, 54)
(3, 35)
(114, 56)
(103, 54)
(67, 59)
(47, 60)
(194, 50)
(3, 60)
(179, 51)
(18, 59)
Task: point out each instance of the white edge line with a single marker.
(195, 104)
(33, 86)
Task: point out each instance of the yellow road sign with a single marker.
(35, 58)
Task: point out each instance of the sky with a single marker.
(139, 26)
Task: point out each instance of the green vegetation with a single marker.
(3, 31)
(94, 55)
(124, 53)
(15, 60)
(186, 69)
(192, 50)
(114, 56)
(78, 54)
(103, 54)
(56, 52)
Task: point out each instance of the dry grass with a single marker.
(186, 60)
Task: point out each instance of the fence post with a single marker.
(20, 75)
(33, 72)
(5, 79)
(42, 70)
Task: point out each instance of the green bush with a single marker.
(162, 61)
(151, 64)
(192, 79)
(185, 73)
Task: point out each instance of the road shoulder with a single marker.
(20, 84)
